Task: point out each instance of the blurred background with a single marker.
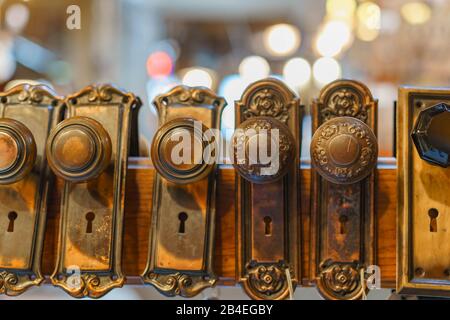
(149, 46)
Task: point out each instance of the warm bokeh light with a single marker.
(159, 64)
(254, 68)
(16, 17)
(333, 38)
(282, 39)
(326, 70)
(416, 12)
(297, 72)
(341, 9)
(198, 77)
(369, 21)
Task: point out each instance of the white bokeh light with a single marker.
(297, 73)
(282, 39)
(326, 70)
(333, 38)
(197, 77)
(254, 68)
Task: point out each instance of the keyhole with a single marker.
(12, 216)
(90, 217)
(343, 219)
(183, 216)
(433, 214)
(268, 226)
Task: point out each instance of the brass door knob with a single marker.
(248, 142)
(178, 151)
(79, 149)
(17, 151)
(431, 134)
(344, 150)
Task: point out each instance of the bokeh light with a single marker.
(159, 64)
(326, 70)
(369, 21)
(198, 77)
(282, 39)
(333, 38)
(297, 73)
(16, 17)
(341, 9)
(416, 12)
(254, 68)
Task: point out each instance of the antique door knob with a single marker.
(17, 151)
(79, 149)
(178, 151)
(250, 159)
(431, 134)
(344, 150)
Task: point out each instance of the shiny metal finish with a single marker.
(344, 150)
(166, 156)
(79, 149)
(17, 151)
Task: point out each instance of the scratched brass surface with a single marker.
(342, 205)
(23, 203)
(183, 211)
(90, 235)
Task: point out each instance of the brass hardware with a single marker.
(343, 152)
(423, 118)
(89, 151)
(79, 149)
(166, 139)
(17, 151)
(183, 213)
(243, 141)
(27, 114)
(267, 206)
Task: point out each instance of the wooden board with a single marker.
(138, 202)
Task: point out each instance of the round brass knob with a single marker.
(344, 150)
(263, 148)
(17, 151)
(79, 149)
(178, 151)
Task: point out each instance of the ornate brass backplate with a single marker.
(89, 151)
(423, 246)
(267, 205)
(343, 152)
(27, 114)
(180, 258)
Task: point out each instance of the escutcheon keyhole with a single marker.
(433, 214)
(90, 217)
(268, 226)
(12, 216)
(183, 218)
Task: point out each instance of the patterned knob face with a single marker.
(178, 151)
(263, 148)
(431, 134)
(344, 150)
(17, 151)
(79, 149)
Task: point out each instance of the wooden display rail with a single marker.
(138, 204)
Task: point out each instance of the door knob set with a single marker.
(88, 149)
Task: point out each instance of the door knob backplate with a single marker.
(344, 152)
(423, 119)
(267, 203)
(89, 151)
(27, 114)
(180, 257)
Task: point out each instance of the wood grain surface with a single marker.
(138, 202)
